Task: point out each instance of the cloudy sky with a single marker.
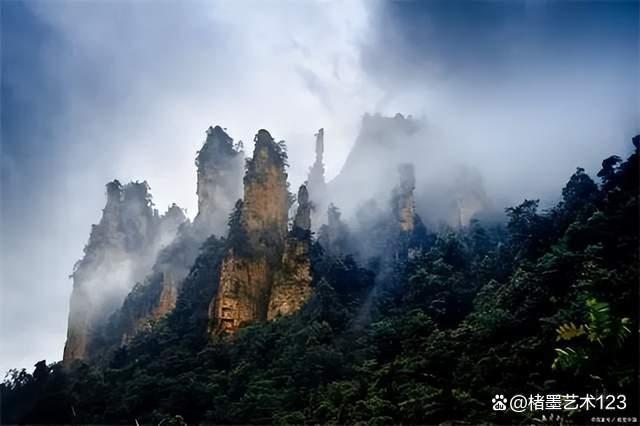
(524, 91)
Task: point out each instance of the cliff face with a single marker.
(251, 286)
(158, 307)
(265, 273)
(334, 235)
(316, 183)
(78, 326)
(120, 251)
(292, 281)
(242, 292)
(447, 191)
(266, 198)
(168, 297)
(382, 143)
(219, 176)
(156, 296)
(220, 167)
(403, 200)
(258, 234)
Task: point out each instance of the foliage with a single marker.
(601, 328)
(547, 304)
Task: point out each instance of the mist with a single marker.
(126, 90)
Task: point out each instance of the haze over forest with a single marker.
(510, 98)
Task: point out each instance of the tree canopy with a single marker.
(546, 303)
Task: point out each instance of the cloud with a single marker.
(523, 92)
(126, 90)
(519, 92)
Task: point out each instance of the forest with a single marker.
(544, 303)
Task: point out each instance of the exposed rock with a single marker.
(382, 144)
(385, 235)
(468, 196)
(165, 304)
(219, 174)
(154, 298)
(257, 233)
(266, 198)
(454, 193)
(302, 220)
(220, 168)
(334, 236)
(173, 218)
(120, 252)
(403, 201)
(316, 181)
(266, 271)
(78, 326)
(168, 297)
(292, 281)
(243, 293)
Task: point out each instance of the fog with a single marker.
(509, 100)
(121, 252)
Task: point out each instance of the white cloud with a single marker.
(141, 82)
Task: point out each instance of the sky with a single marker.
(522, 91)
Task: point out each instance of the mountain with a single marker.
(449, 193)
(219, 170)
(377, 318)
(316, 183)
(266, 270)
(120, 251)
(135, 260)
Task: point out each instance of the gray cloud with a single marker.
(139, 82)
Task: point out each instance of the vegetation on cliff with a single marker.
(120, 252)
(545, 304)
(219, 171)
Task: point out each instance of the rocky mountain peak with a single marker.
(120, 251)
(253, 284)
(303, 214)
(219, 173)
(403, 199)
(316, 183)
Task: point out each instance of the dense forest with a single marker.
(545, 303)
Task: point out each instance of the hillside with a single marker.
(291, 315)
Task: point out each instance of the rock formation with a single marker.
(455, 192)
(334, 235)
(266, 198)
(257, 237)
(402, 199)
(220, 167)
(266, 271)
(302, 220)
(120, 251)
(243, 289)
(386, 233)
(159, 307)
(316, 184)
(170, 222)
(292, 281)
(382, 144)
(410, 235)
(468, 196)
(156, 296)
(219, 176)
(168, 297)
